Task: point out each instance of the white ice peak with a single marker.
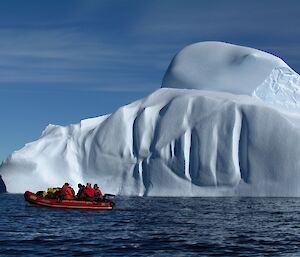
(236, 69)
(220, 66)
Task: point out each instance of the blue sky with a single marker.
(65, 60)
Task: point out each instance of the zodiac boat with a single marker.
(105, 204)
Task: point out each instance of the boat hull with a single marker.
(68, 204)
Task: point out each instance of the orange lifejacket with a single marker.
(67, 192)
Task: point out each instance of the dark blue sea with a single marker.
(153, 226)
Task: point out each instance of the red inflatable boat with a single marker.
(105, 204)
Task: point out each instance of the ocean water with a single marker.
(154, 226)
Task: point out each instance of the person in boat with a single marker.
(67, 192)
(98, 193)
(80, 193)
(89, 192)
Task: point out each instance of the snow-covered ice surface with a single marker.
(281, 90)
(237, 135)
(225, 67)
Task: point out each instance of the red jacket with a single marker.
(89, 192)
(67, 192)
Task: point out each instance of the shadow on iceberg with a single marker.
(2, 186)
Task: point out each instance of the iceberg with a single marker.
(192, 137)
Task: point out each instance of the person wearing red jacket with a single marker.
(67, 192)
(89, 192)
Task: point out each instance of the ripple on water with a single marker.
(154, 227)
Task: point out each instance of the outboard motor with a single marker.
(109, 198)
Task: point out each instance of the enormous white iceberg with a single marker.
(178, 142)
